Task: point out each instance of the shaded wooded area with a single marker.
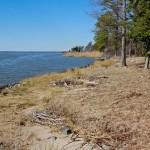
(122, 28)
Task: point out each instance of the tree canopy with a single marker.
(141, 21)
(123, 27)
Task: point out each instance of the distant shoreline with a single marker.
(94, 54)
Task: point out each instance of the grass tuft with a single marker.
(106, 63)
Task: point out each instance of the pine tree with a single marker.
(112, 19)
(141, 24)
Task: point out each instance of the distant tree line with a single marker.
(123, 28)
(88, 48)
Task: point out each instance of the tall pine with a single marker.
(141, 24)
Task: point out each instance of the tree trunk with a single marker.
(142, 49)
(123, 52)
(147, 58)
(117, 28)
(136, 47)
(116, 50)
(130, 49)
(147, 63)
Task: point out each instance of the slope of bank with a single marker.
(104, 105)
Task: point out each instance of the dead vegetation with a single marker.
(104, 104)
(94, 54)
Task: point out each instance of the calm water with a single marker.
(15, 66)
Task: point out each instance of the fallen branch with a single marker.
(42, 116)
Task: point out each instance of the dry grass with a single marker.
(114, 112)
(105, 63)
(95, 54)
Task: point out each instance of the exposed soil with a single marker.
(105, 105)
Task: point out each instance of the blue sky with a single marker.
(44, 25)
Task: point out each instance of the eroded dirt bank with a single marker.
(104, 105)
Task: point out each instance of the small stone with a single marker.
(91, 83)
(65, 84)
(66, 130)
(18, 84)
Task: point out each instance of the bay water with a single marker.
(16, 66)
